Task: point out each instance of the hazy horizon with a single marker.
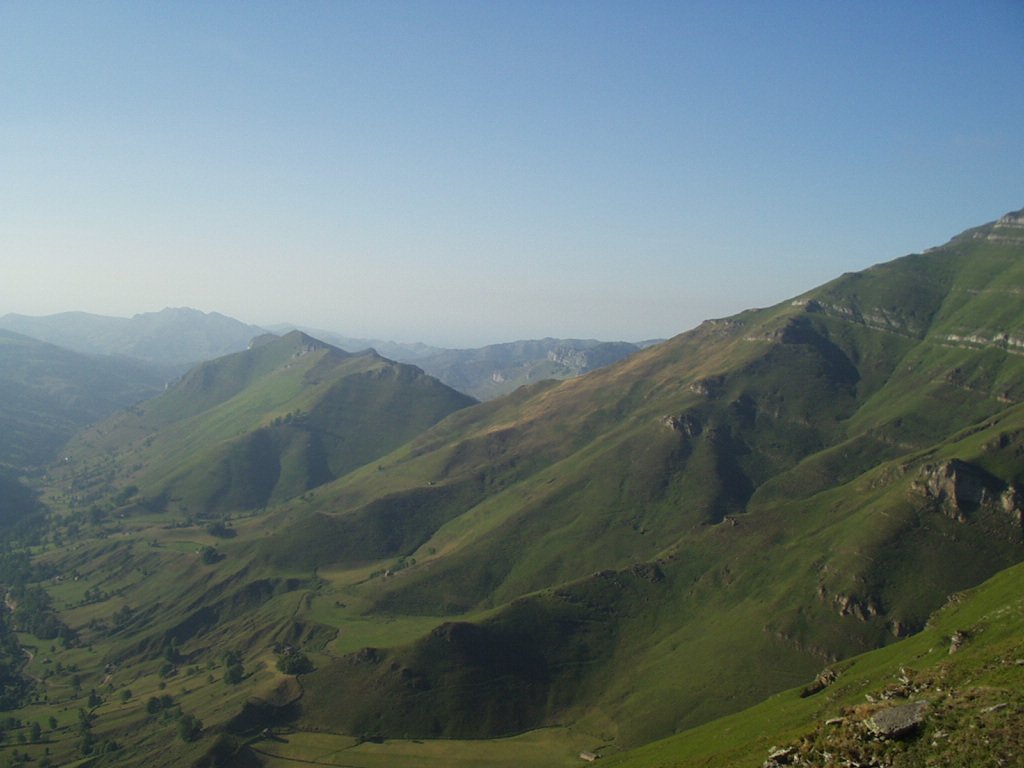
(463, 174)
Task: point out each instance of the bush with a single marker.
(190, 727)
(295, 664)
(234, 674)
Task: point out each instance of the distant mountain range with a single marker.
(178, 338)
(170, 337)
(496, 369)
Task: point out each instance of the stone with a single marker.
(958, 640)
(778, 757)
(897, 722)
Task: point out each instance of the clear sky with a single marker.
(463, 173)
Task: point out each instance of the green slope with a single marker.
(257, 427)
(974, 688)
(617, 558)
(785, 468)
(48, 393)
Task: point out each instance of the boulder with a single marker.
(897, 722)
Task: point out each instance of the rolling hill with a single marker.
(178, 338)
(260, 426)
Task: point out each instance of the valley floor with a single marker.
(547, 748)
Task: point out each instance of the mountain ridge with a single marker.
(609, 559)
(181, 337)
(278, 419)
(173, 336)
(795, 379)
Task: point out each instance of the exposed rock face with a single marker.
(1009, 229)
(779, 757)
(1012, 502)
(709, 387)
(1001, 340)
(960, 489)
(570, 358)
(854, 606)
(958, 640)
(824, 679)
(684, 424)
(897, 722)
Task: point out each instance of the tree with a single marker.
(295, 663)
(234, 674)
(190, 727)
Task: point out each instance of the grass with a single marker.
(632, 553)
(253, 428)
(547, 748)
(983, 674)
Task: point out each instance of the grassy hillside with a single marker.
(247, 430)
(802, 476)
(966, 664)
(47, 394)
(595, 564)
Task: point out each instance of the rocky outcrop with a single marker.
(824, 679)
(709, 387)
(977, 340)
(862, 609)
(1009, 229)
(685, 424)
(959, 489)
(958, 640)
(897, 722)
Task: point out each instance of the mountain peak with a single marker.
(1007, 229)
(1010, 228)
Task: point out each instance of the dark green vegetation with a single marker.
(316, 555)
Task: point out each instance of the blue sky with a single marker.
(464, 173)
